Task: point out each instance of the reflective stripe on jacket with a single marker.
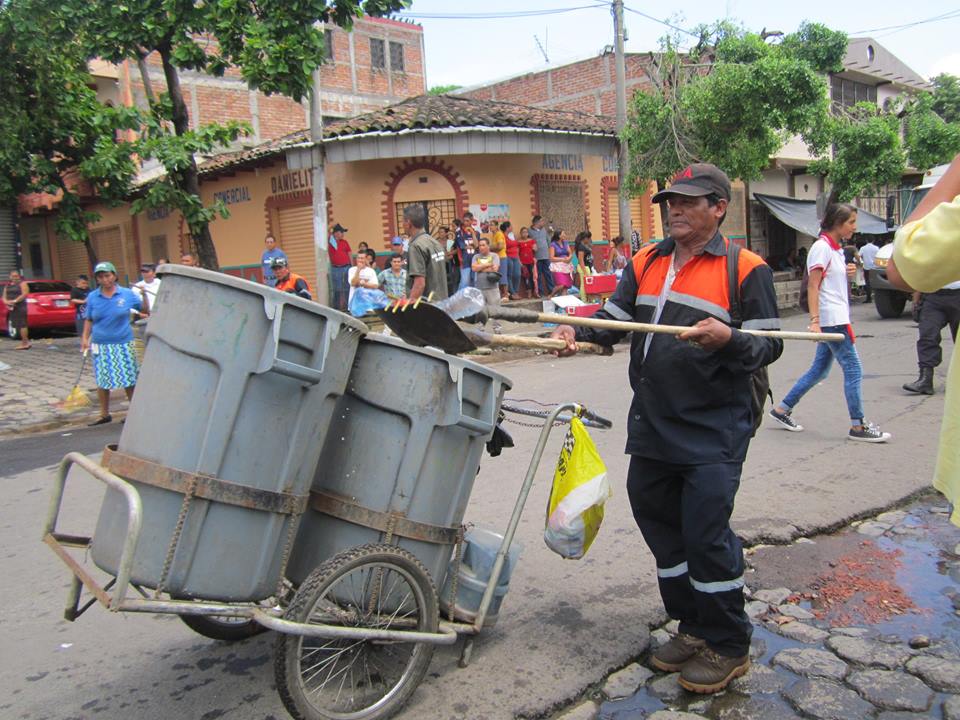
(691, 406)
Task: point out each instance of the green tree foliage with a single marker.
(928, 137)
(867, 152)
(57, 137)
(443, 89)
(946, 97)
(276, 44)
(733, 101)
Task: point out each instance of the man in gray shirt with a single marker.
(542, 254)
(426, 258)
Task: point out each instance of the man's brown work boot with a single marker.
(671, 656)
(711, 672)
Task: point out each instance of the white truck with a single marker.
(889, 300)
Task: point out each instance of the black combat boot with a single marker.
(924, 383)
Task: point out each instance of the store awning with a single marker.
(801, 215)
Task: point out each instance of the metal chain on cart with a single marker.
(287, 549)
(458, 557)
(177, 532)
(517, 410)
(378, 577)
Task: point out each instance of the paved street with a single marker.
(564, 626)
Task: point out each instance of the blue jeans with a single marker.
(849, 361)
(340, 287)
(544, 277)
(511, 269)
(467, 278)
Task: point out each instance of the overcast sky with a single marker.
(472, 50)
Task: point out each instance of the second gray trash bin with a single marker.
(402, 455)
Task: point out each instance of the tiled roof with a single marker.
(427, 112)
(448, 111)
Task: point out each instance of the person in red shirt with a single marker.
(340, 262)
(512, 265)
(528, 262)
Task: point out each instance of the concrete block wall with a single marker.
(586, 86)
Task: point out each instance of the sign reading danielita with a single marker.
(291, 182)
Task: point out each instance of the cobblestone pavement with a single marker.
(905, 568)
(35, 382)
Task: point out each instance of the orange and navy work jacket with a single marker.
(692, 406)
(295, 284)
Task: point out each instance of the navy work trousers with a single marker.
(684, 513)
(939, 309)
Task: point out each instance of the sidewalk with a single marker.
(35, 382)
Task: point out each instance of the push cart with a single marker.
(354, 638)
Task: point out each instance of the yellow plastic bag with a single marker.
(580, 488)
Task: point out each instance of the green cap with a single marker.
(104, 267)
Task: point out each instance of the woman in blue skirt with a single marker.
(108, 335)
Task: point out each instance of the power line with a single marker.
(662, 22)
(945, 16)
(498, 15)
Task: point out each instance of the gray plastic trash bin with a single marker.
(402, 457)
(239, 384)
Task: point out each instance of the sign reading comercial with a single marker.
(232, 196)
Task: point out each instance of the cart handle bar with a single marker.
(134, 521)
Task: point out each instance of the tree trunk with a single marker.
(189, 180)
(145, 79)
(91, 253)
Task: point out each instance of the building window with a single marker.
(158, 248)
(847, 93)
(378, 57)
(396, 57)
(328, 46)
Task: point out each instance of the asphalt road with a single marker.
(564, 624)
(44, 449)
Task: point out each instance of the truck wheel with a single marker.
(889, 304)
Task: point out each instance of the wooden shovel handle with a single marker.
(532, 316)
(486, 339)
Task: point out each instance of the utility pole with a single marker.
(623, 198)
(318, 157)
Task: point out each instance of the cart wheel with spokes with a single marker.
(371, 586)
(223, 627)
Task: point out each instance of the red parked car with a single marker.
(48, 306)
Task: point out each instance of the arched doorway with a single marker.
(431, 184)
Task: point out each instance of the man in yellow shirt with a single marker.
(926, 257)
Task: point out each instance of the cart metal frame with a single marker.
(115, 594)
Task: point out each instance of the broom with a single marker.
(77, 398)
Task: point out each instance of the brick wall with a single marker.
(586, 86)
(350, 85)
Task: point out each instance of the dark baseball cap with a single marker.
(147, 266)
(697, 180)
(339, 228)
